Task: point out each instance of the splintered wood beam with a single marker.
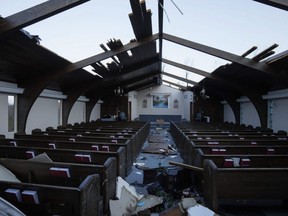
(113, 57)
(35, 14)
(110, 53)
(187, 166)
(252, 49)
(260, 66)
(264, 53)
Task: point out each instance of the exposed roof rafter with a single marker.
(281, 4)
(224, 55)
(35, 14)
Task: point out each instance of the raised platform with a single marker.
(166, 118)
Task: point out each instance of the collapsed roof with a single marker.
(134, 66)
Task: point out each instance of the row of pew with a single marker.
(70, 170)
(240, 166)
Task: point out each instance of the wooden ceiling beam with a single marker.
(110, 53)
(187, 68)
(35, 14)
(175, 84)
(252, 49)
(226, 55)
(264, 53)
(179, 78)
(140, 86)
(281, 4)
(37, 85)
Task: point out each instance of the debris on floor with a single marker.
(129, 201)
(181, 208)
(160, 176)
(159, 148)
(200, 210)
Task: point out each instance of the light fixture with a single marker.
(203, 94)
(118, 91)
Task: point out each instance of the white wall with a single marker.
(77, 113)
(174, 94)
(188, 97)
(132, 97)
(7, 89)
(43, 114)
(96, 112)
(248, 114)
(4, 114)
(278, 110)
(228, 113)
(279, 114)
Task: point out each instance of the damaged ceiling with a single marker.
(133, 66)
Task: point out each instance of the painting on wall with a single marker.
(160, 101)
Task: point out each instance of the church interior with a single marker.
(75, 143)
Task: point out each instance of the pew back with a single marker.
(243, 184)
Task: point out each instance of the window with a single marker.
(59, 112)
(144, 103)
(11, 113)
(176, 104)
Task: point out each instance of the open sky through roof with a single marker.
(233, 26)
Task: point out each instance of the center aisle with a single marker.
(158, 140)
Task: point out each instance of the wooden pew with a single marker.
(244, 184)
(64, 200)
(228, 132)
(244, 150)
(73, 133)
(251, 160)
(71, 138)
(119, 152)
(104, 137)
(254, 170)
(120, 141)
(187, 147)
(237, 137)
(260, 147)
(50, 195)
(266, 160)
(141, 130)
(108, 171)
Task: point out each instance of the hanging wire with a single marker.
(164, 11)
(177, 7)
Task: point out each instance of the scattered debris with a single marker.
(181, 208)
(6, 208)
(200, 210)
(159, 148)
(156, 139)
(129, 201)
(164, 181)
(199, 169)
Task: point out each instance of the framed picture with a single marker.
(160, 101)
